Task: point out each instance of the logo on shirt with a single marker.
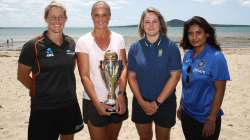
(188, 61)
(201, 63)
(160, 51)
(49, 52)
(200, 68)
(69, 52)
(78, 127)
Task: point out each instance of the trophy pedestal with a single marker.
(111, 102)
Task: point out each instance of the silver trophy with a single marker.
(110, 73)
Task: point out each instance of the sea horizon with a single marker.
(228, 36)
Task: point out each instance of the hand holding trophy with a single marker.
(109, 68)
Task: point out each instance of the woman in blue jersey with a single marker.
(154, 65)
(204, 77)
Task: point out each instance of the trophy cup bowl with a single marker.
(109, 68)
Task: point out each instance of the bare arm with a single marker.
(121, 100)
(23, 75)
(218, 98)
(169, 86)
(83, 67)
(209, 126)
(123, 77)
(134, 86)
(149, 107)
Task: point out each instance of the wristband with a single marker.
(120, 93)
(157, 102)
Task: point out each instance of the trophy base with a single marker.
(111, 110)
(112, 104)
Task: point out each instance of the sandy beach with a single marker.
(15, 101)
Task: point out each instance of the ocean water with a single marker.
(21, 35)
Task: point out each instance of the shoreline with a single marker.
(225, 42)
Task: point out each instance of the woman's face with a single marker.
(56, 20)
(100, 17)
(151, 24)
(197, 36)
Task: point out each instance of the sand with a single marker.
(15, 101)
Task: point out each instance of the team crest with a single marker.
(201, 63)
(160, 51)
(49, 52)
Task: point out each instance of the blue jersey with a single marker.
(152, 64)
(198, 81)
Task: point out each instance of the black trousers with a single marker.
(192, 129)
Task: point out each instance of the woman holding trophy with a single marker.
(154, 65)
(101, 59)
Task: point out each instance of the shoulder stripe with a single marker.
(39, 39)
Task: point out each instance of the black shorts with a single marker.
(48, 124)
(164, 117)
(90, 114)
(192, 129)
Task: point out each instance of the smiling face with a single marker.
(56, 20)
(151, 24)
(197, 36)
(100, 16)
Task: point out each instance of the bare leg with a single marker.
(113, 130)
(162, 133)
(67, 137)
(145, 131)
(97, 133)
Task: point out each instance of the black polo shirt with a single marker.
(54, 84)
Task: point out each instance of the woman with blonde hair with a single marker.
(91, 47)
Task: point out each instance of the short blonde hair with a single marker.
(53, 4)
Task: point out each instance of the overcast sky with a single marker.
(29, 13)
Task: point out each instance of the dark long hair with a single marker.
(202, 23)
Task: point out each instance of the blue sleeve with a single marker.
(220, 69)
(174, 58)
(131, 59)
